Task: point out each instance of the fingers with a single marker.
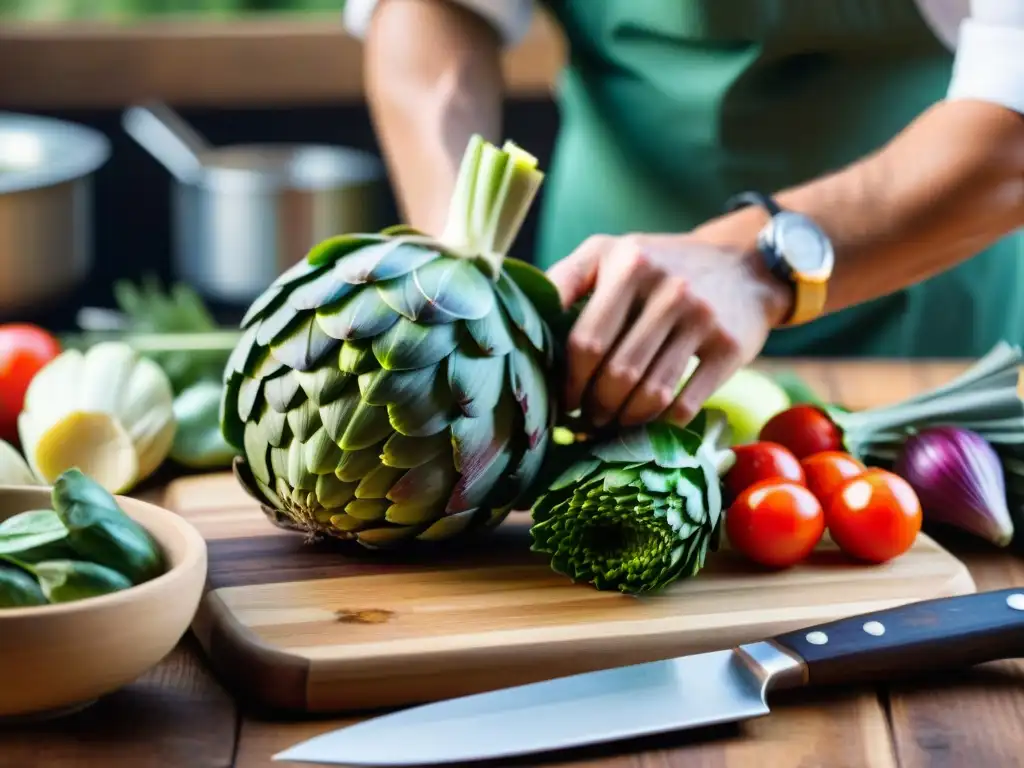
(621, 278)
(576, 274)
(718, 362)
(625, 367)
(657, 391)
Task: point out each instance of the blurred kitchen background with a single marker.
(238, 72)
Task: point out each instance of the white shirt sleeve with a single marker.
(511, 18)
(989, 63)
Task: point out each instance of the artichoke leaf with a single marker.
(282, 392)
(454, 287)
(327, 252)
(356, 357)
(530, 391)
(376, 483)
(628, 446)
(429, 484)
(382, 262)
(323, 385)
(355, 465)
(337, 415)
(325, 289)
(304, 420)
(482, 453)
(369, 425)
(363, 316)
(304, 347)
(322, 454)
(298, 475)
(575, 474)
(274, 427)
(264, 305)
(541, 292)
(248, 396)
(384, 387)
(275, 325)
(449, 526)
(243, 356)
(492, 333)
(427, 414)
(296, 274)
(476, 382)
(256, 452)
(369, 510)
(520, 310)
(333, 493)
(407, 345)
(407, 452)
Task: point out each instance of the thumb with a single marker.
(576, 274)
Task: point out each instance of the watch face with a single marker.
(802, 244)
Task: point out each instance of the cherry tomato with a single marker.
(761, 461)
(826, 471)
(24, 349)
(776, 523)
(875, 516)
(804, 429)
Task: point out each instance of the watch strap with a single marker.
(809, 292)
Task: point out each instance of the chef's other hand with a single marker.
(657, 300)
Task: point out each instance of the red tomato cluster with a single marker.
(796, 482)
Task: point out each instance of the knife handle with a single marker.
(943, 633)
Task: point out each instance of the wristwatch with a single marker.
(796, 250)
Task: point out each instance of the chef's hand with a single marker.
(656, 301)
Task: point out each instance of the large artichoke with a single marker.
(639, 510)
(391, 387)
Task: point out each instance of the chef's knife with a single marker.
(685, 692)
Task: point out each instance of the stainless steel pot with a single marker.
(46, 225)
(243, 214)
(253, 211)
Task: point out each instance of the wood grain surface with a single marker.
(178, 716)
(296, 626)
(258, 60)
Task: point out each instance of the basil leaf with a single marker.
(30, 529)
(19, 589)
(64, 581)
(99, 531)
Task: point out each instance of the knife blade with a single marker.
(682, 693)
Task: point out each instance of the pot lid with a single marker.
(288, 166)
(41, 151)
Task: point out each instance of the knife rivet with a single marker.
(875, 628)
(1016, 601)
(817, 638)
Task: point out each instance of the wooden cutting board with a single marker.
(295, 626)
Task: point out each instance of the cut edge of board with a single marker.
(271, 678)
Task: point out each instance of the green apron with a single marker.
(670, 106)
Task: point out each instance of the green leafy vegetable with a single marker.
(640, 510)
(63, 581)
(30, 529)
(18, 589)
(198, 440)
(100, 531)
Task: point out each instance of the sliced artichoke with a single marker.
(639, 511)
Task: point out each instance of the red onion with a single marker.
(959, 480)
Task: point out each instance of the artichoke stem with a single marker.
(493, 194)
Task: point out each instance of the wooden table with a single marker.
(178, 716)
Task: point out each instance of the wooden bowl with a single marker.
(59, 658)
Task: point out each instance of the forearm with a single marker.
(433, 76)
(948, 186)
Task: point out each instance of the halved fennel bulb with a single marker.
(108, 412)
